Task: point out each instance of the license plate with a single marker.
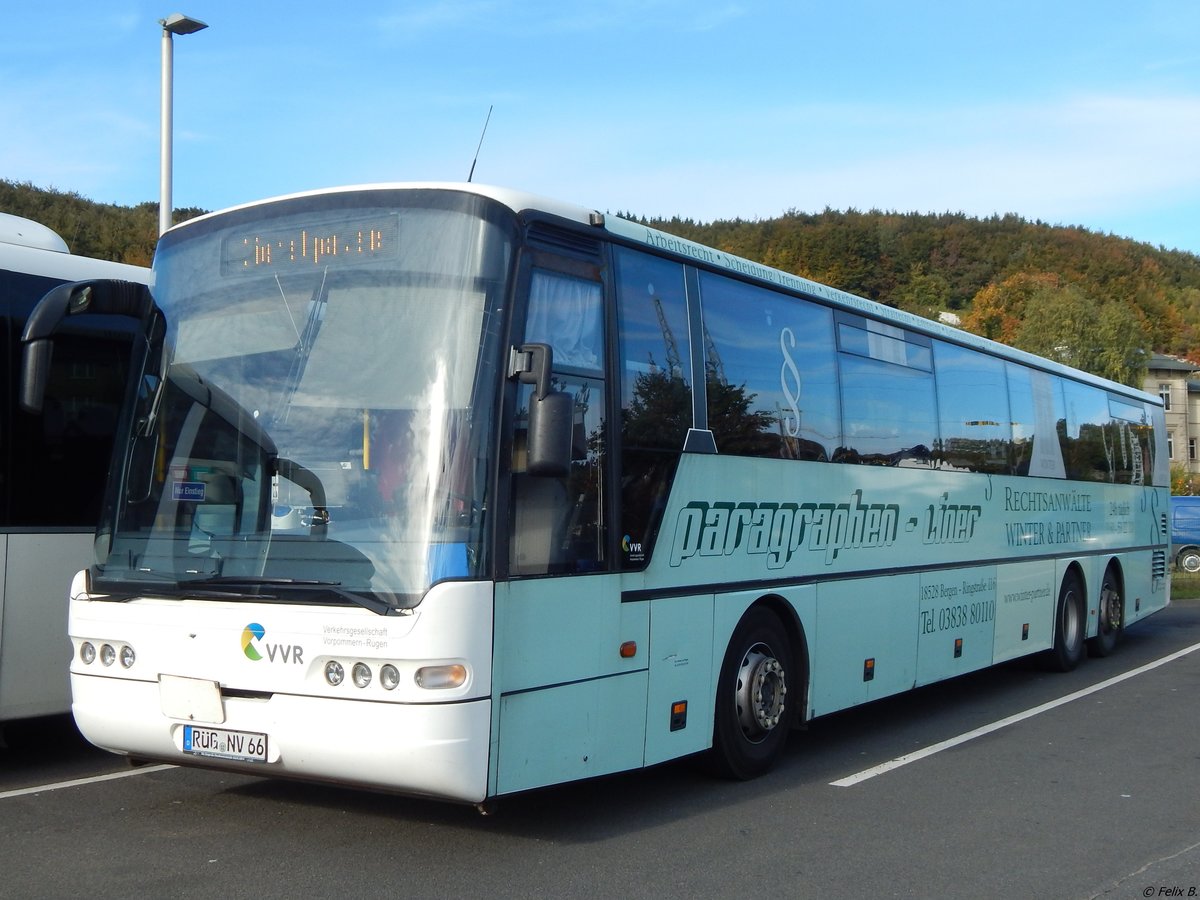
(245, 746)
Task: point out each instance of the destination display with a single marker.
(310, 246)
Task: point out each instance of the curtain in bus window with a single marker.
(1035, 398)
(974, 421)
(564, 312)
(1157, 441)
(354, 363)
(559, 523)
(258, 326)
(770, 372)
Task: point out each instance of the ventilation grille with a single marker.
(561, 240)
(1158, 564)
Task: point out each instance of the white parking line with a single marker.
(883, 768)
(79, 782)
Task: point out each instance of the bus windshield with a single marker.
(317, 421)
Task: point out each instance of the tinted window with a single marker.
(770, 372)
(53, 467)
(889, 415)
(973, 416)
(656, 395)
(1088, 442)
(1035, 400)
(558, 525)
(1130, 436)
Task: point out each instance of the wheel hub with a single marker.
(1110, 609)
(761, 692)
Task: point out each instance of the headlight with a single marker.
(108, 654)
(361, 673)
(127, 656)
(87, 653)
(334, 673)
(389, 677)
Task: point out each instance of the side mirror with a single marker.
(36, 358)
(551, 413)
(103, 296)
(550, 422)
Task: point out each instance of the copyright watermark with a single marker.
(1166, 890)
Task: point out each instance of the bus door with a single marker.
(569, 703)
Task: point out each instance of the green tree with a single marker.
(924, 295)
(1062, 323)
(1182, 481)
(999, 309)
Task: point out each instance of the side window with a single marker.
(973, 416)
(656, 392)
(1035, 399)
(565, 312)
(1087, 450)
(889, 417)
(1128, 438)
(770, 372)
(559, 525)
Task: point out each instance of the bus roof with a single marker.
(27, 233)
(522, 202)
(54, 263)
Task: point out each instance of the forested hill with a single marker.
(1045, 288)
(102, 230)
(1091, 300)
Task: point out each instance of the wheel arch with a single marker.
(1117, 567)
(1079, 570)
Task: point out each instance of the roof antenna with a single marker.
(471, 174)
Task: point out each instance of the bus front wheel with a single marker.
(754, 710)
(1069, 624)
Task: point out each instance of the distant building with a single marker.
(1177, 381)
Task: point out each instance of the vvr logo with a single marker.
(252, 641)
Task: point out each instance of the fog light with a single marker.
(441, 677)
(87, 653)
(127, 656)
(389, 677)
(108, 654)
(334, 673)
(361, 673)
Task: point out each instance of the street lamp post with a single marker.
(176, 23)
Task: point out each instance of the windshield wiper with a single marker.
(313, 586)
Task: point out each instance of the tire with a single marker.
(753, 711)
(1070, 620)
(1189, 560)
(1112, 616)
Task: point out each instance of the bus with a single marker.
(52, 468)
(452, 491)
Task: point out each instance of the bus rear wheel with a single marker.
(1112, 616)
(1069, 620)
(753, 712)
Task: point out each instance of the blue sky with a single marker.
(1068, 112)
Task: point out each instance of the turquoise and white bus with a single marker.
(53, 468)
(456, 492)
